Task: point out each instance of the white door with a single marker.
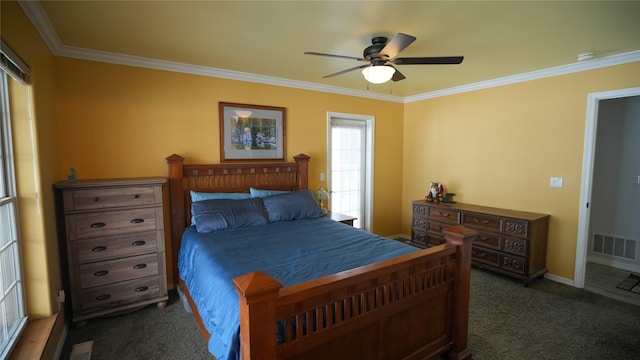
(350, 167)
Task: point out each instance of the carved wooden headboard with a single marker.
(235, 177)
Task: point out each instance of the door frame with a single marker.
(593, 102)
(367, 222)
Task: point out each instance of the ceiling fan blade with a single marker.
(397, 76)
(346, 71)
(428, 60)
(337, 56)
(399, 42)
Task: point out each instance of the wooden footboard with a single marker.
(414, 306)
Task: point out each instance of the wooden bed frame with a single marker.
(415, 306)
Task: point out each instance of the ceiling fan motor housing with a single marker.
(372, 50)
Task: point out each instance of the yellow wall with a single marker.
(36, 167)
(121, 121)
(499, 147)
(37, 215)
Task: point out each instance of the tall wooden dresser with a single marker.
(114, 240)
(510, 242)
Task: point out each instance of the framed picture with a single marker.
(251, 132)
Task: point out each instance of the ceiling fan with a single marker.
(381, 56)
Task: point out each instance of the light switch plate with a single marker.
(556, 182)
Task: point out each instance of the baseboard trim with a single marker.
(63, 340)
(559, 279)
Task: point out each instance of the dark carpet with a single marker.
(546, 320)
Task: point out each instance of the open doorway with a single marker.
(608, 244)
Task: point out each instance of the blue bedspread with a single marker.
(291, 252)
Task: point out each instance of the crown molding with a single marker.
(38, 17)
(41, 22)
(533, 75)
(136, 61)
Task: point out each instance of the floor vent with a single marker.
(615, 246)
(82, 351)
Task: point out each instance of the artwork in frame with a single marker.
(252, 132)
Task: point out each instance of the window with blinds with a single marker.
(13, 317)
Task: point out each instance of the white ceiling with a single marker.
(268, 38)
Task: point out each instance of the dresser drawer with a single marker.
(444, 215)
(419, 224)
(105, 248)
(514, 227)
(102, 297)
(106, 272)
(434, 238)
(107, 223)
(482, 221)
(485, 256)
(514, 264)
(419, 238)
(488, 240)
(420, 211)
(438, 227)
(515, 246)
(90, 199)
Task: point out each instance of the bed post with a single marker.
(258, 292)
(177, 207)
(303, 170)
(462, 237)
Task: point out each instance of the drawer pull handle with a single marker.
(483, 222)
(98, 225)
(142, 288)
(137, 221)
(482, 238)
(139, 266)
(99, 248)
(96, 199)
(444, 214)
(138, 243)
(103, 297)
(101, 273)
(480, 254)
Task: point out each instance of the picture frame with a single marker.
(252, 132)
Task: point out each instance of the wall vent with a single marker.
(615, 246)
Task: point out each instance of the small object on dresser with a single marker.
(435, 192)
(448, 198)
(72, 175)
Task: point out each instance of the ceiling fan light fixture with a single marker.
(378, 74)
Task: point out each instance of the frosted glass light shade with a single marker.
(378, 74)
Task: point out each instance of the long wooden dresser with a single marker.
(509, 242)
(114, 240)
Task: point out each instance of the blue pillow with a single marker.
(262, 193)
(294, 205)
(200, 196)
(221, 214)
